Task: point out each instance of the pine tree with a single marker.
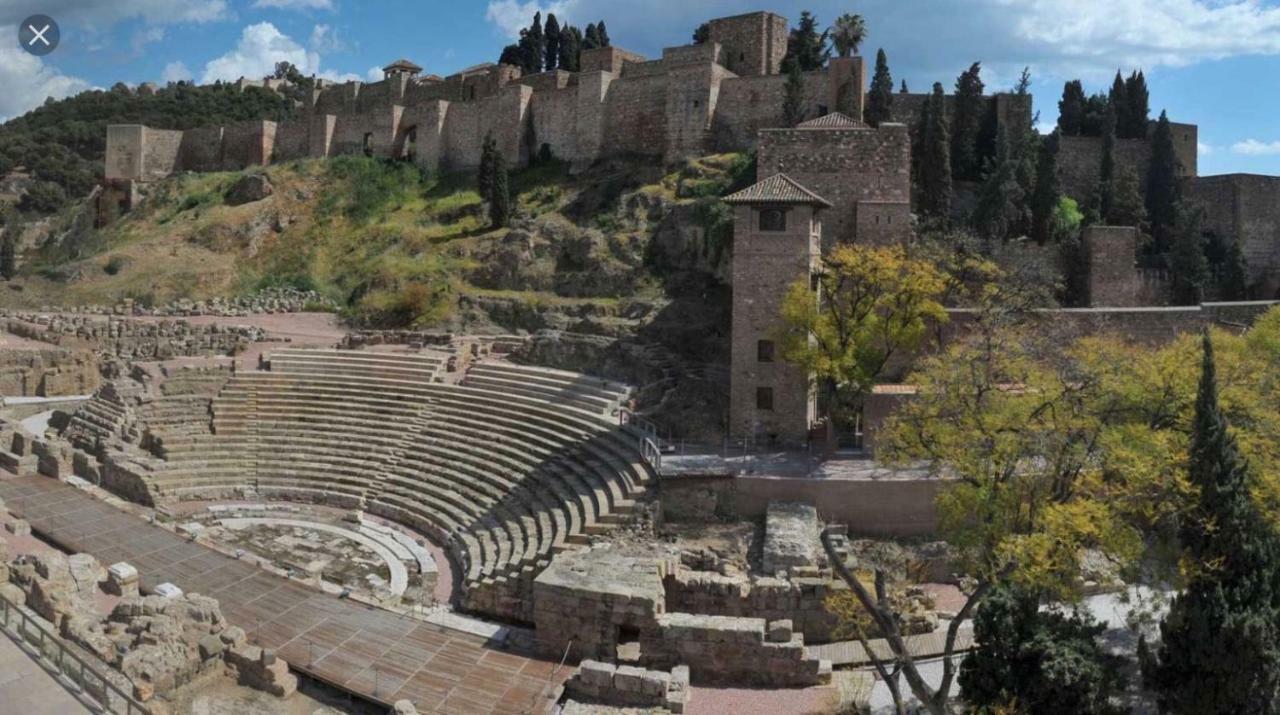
(935, 156)
(1163, 194)
(806, 46)
(904, 88)
(500, 201)
(1188, 267)
(880, 98)
(966, 124)
(998, 213)
(570, 49)
(1125, 208)
(702, 34)
(1118, 100)
(591, 37)
(1220, 641)
(1233, 281)
(793, 96)
(1103, 194)
(1044, 202)
(551, 41)
(1071, 109)
(8, 255)
(1138, 114)
(603, 33)
(487, 170)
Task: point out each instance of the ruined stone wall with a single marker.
(608, 59)
(246, 144)
(47, 373)
(748, 104)
(1080, 163)
(845, 167)
(1113, 273)
(293, 140)
(798, 599)
(160, 154)
(1244, 208)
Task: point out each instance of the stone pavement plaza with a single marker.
(377, 654)
(27, 688)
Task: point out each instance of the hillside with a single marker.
(399, 248)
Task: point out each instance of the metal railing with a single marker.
(73, 670)
(647, 440)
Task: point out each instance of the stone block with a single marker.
(780, 631)
(211, 646)
(629, 679)
(596, 673)
(18, 527)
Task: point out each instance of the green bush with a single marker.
(43, 197)
(114, 265)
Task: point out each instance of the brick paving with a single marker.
(374, 653)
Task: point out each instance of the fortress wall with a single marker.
(843, 166)
(467, 124)
(548, 81)
(593, 88)
(338, 99)
(607, 59)
(320, 136)
(554, 115)
(201, 149)
(1186, 144)
(292, 140)
(375, 96)
(1080, 163)
(752, 44)
(706, 53)
(748, 104)
(246, 144)
(692, 94)
(635, 120)
(123, 158)
(160, 157)
(1245, 208)
(428, 119)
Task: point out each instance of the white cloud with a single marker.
(339, 77)
(1253, 147)
(175, 72)
(512, 16)
(295, 4)
(374, 74)
(261, 46)
(147, 36)
(324, 38)
(1204, 149)
(27, 81)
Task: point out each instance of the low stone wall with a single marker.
(134, 339)
(885, 508)
(799, 599)
(737, 651)
(630, 686)
(47, 372)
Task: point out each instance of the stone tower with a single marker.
(777, 240)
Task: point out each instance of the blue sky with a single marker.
(1215, 63)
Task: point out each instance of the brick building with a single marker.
(777, 241)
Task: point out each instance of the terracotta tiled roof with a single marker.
(777, 189)
(402, 64)
(834, 120)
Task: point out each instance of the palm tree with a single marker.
(848, 33)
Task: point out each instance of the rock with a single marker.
(18, 527)
(211, 646)
(86, 572)
(249, 188)
(780, 631)
(403, 707)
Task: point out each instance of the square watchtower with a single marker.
(777, 243)
(752, 44)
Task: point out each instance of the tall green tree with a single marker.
(551, 43)
(8, 255)
(998, 214)
(1163, 192)
(1188, 267)
(702, 33)
(966, 124)
(1103, 192)
(1044, 202)
(1126, 207)
(603, 33)
(570, 49)
(500, 201)
(533, 46)
(806, 46)
(591, 37)
(880, 97)
(1118, 99)
(1071, 109)
(512, 55)
(904, 89)
(793, 111)
(935, 156)
(488, 167)
(1047, 662)
(1138, 111)
(1220, 642)
(1233, 276)
(848, 34)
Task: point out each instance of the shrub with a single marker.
(43, 197)
(113, 265)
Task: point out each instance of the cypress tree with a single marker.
(1233, 281)
(500, 203)
(1095, 115)
(998, 213)
(880, 98)
(512, 55)
(1118, 99)
(570, 49)
(935, 157)
(702, 33)
(1071, 109)
(904, 87)
(603, 33)
(8, 255)
(487, 170)
(793, 96)
(806, 45)
(966, 124)
(1103, 194)
(1139, 110)
(1163, 194)
(551, 41)
(1220, 641)
(1126, 207)
(1044, 202)
(1188, 267)
(591, 38)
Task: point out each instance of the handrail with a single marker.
(69, 664)
(647, 441)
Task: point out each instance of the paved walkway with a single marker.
(375, 653)
(29, 689)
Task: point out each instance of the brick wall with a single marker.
(160, 153)
(201, 149)
(752, 44)
(845, 167)
(1245, 208)
(1113, 273)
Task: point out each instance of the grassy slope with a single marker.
(395, 245)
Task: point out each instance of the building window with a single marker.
(773, 220)
(695, 104)
(764, 398)
(764, 351)
(822, 110)
(877, 219)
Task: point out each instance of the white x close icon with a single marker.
(38, 35)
